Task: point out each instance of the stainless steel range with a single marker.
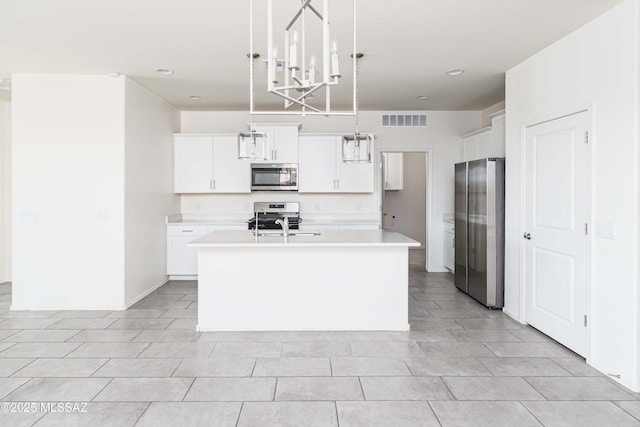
(267, 215)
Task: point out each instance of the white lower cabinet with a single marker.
(182, 260)
(449, 247)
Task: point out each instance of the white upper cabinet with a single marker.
(230, 175)
(317, 165)
(321, 169)
(473, 141)
(282, 142)
(192, 164)
(209, 164)
(393, 171)
(353, 177)
(486, 142)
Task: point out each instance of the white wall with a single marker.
(408, 204)
(5, 191)
(594, 68)
(149, 126)
(68, 180)
(441, 138)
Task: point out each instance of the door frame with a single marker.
(589, 110)
(428, 154)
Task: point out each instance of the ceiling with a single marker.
(408, 46)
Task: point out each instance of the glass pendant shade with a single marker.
(252, 146)
(356, 148)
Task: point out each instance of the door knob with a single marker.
(527, 236)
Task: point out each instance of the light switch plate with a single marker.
(29, 216)
(606, 229)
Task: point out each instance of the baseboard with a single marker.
(631, 385)
(14, 307)
(634, 386)
(182, 277)
(513, 316)
(145, 293)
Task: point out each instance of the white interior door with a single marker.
(555, 230)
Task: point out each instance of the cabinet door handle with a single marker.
(187, 231)
(337, 183)
(275, 154)
(527, 236)
(210, 184)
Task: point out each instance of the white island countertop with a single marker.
(341, 238)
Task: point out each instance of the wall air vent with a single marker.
(404, 120)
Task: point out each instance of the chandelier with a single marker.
(295, 73)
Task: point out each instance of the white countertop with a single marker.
(345, 221)
(215, 221)
(343, 238)
(308, 220)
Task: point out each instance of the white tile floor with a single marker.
(461, 365)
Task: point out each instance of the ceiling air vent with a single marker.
(404, 120)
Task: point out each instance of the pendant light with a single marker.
(252, 145)
(357, 148)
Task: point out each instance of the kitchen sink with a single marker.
(292, 233)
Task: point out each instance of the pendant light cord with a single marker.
(357, 94)
(253, 91)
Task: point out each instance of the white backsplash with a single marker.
(312, 205)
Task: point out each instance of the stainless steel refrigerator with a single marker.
(479, 230)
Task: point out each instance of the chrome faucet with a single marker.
(284, 224)
(257, 229)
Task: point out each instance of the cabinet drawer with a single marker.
(187, 230)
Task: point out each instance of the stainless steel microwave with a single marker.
(274, 177)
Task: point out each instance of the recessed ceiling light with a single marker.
(455, 72)
(164, 71)
(422, 97)
(195, 97)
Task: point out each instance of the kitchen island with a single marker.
(334, 280)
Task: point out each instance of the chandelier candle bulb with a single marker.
(312, 70)
(293, 52)
(273, 65)
(335, 65)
